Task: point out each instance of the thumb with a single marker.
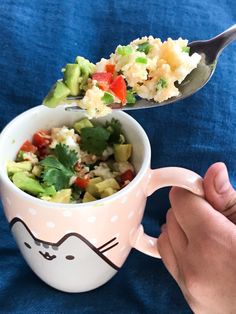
(219, 192)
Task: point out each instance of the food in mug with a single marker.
(147, 68)
(83, 163)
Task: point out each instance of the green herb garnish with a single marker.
(162, 83)
(144, 47)
(124, 50)
(130, 98)
(108, 98)
(141, 60)
(58, 170)
(94, 140)
(186, 49)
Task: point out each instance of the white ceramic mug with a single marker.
(78, 247)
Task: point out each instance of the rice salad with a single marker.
(146, 68)
(77, 164)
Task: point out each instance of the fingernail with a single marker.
(221, 181)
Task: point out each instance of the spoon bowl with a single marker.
(209, 50)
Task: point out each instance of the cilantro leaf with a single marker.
(65, 155)
(55, 173)
(56, 177)
(94, 140)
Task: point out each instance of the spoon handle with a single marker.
(224, 39)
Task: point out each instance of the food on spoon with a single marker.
(147, 68)
(83, 163)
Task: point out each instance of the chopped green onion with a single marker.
(145, 47)
(162, 83)
(186, 49)
(124, 50)
(130, 98)
(141, 60)
(107, 98)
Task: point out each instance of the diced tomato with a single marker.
(82, 182)
(128, 175)
(110, 68)
(104, 79)
(28, 147)
(41, 138)
(118, 87)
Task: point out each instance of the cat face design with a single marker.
(73, 260)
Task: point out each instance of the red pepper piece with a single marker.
(81, 182)
(104, 79)
(118, 87)
(41, 138)
(128, 175)
(28, 147)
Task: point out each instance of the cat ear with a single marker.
(108, 245)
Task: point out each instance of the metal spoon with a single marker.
(210, 51)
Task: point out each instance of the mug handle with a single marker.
(160, 178)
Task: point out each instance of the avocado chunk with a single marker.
(84, 123)
(62, 196)
(88, 197)
(108, 183)
(72, 78)
(37, 170)
(86, 69)
(27, 184)
(91, 187)
(14, 167)
(122, 152)
(56, 95)
(107, 192)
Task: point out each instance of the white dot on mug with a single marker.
(50, 224)
(117, 235)
(92, 219)
(130, 215)
(149, 176)
(67, 213)
(124, 200)
(114, 218)
(32, 211)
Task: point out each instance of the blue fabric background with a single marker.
(39, 37)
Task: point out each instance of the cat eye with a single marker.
(70, 257)
(27, 245)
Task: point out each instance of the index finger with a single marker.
(192, 212)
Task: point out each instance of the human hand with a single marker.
(198, 243)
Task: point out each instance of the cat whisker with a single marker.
(105, 244)
(110, 247)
